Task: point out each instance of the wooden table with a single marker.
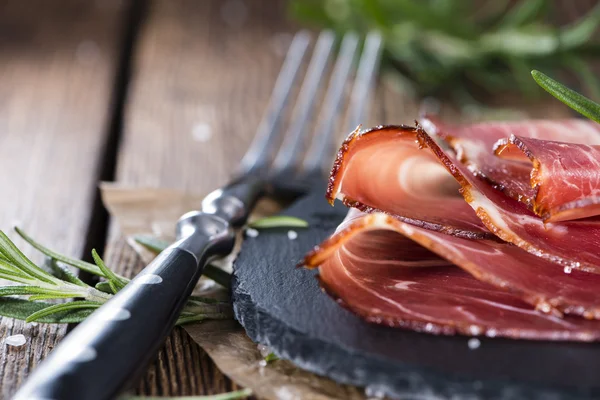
(118, 90)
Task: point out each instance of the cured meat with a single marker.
(537, 281)
(383, 170)
(572, 244)
(474, 145)
(564, 178)
(371, 267)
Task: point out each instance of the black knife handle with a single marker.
(114, 344)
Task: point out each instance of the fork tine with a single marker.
(289, 152)
(320, 145)
(365, 77)
(257, 156)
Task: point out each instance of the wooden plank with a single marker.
(201, 68)
(57, 63)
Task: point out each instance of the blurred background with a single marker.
(168, 93)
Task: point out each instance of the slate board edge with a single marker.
(410, 383)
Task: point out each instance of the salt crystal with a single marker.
(491, 332)
(250, 232)
(429, 327)
(475, 330)
(474, 343)
(262, 363)
(292, 235)
(15, 340)
(567, 270)
(374, 392)
(264, 350)
(202, 132)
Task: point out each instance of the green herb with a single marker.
(55, 281)
(271, 357)
(278, 221)
(155, 245)
(455, 46)
(571, 98)
(239, 394)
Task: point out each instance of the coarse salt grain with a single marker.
(474, 343)
(250, 232)
(262, 363)
(567, 270)
(15, 340)
(292, 235)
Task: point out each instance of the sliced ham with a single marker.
(572, 244)
(564, 182)
(474, 144)
(383, 170)
(390, 272)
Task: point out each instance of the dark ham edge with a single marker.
(580, 208)
(588, 332)
(337, 173)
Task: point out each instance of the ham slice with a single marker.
(572, 244)
(564, 178)
(474, 144)
(390, 272)
(383, 170)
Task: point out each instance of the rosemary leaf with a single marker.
(153, 244)
(271, 357)
(113, 280)
(58, 308)
(19, 260)
(19, 290)
(218, 275)
(82, 265)
(104, 287)
(21, 309)
(237, 395)
(13, 276)
(62, 273)
(185, 319)
(55, 296)
(571, 98)
(279, 221)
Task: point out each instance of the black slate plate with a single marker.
(282, 306)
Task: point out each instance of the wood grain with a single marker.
(57, 63)
(200, 66)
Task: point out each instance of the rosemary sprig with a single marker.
(445, 46)
(571, 98)
(54, 281)
(278, 221)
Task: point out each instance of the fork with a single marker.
(114, 344)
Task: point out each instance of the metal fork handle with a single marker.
(114, 344)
